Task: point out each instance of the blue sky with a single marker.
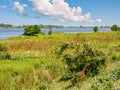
(60, 12)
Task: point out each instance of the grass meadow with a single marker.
(34, 66)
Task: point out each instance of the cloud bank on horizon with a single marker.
(59, 9)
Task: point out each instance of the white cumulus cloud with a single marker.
(20, 8)
(61, 10)
(99, 20)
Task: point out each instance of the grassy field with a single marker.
(34, 66)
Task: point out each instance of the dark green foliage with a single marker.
(4, 53)
(43, 87)
(106, 82)
(36, 29)
(50, 31)
(60, 49)
(5, 25)
(82, 61)
(95, 29)
(115, 28)
(32, 30)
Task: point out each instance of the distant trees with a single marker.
(50, 31)
(95, 29)
(115, 28)
(32, 30)
(6, 25)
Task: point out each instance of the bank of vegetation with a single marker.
(58, 61)
(3, 25)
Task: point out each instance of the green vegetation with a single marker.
(84, 61)
(24, 26)
(32, 30)
(4, 53)
(50, 26)
(95, 29)
(6, 25)
(50, 31)
(115, 28)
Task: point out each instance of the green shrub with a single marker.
(50, 31)
(4, 53)
(95, 29)
(42, 88)
(115, 28)
(82, 61)
(107, 82)
(32, 30)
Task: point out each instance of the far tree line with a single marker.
(3, 25)
(113, 28)
(32, 30)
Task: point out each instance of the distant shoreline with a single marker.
(9, 32)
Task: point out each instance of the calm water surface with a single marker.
(9, 32)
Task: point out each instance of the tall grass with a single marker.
(34, 66)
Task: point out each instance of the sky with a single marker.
(60, 12)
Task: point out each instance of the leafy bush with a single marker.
(107, 82)
(82, 61)
(4, 53)
(95, 29)
(50, 31)
(115, 28)
(32, 30)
